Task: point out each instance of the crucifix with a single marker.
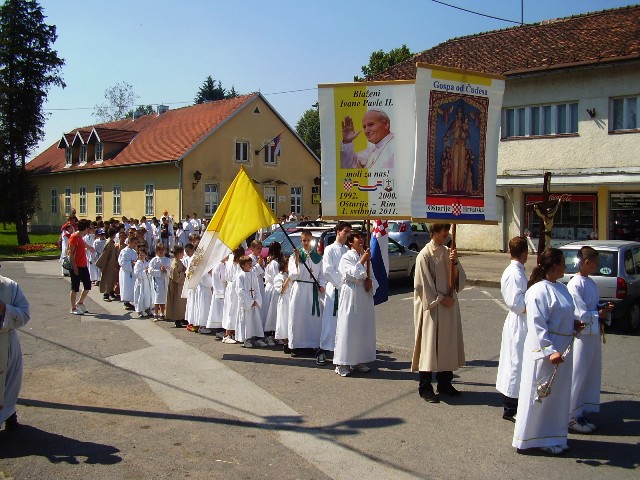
(252, 291)
(546, 209)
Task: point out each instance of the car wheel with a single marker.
(632, 323)
(414, 247)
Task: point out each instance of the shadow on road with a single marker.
(30, 441)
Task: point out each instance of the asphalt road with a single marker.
(107, 396)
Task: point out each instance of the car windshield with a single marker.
(607, 266)
(286, 246)
(394, 226)
(277, 236)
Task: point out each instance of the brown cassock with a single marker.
(108, 264)
(439, 346)
(176, 305)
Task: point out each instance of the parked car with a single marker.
(293, 226)
(409, 234)
(618, 277)
(402, 261)
(280, 237)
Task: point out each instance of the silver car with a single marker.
(409, 234)
(618, 277)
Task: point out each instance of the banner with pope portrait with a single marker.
(368, 149)
(458, 127)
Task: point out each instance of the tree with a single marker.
(140, 110)
(379, 61)
(28, 68)
(209, 91)
(120, 98)
(308, 128)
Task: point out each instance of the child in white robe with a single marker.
(355, 344)
(64, 245)
(127, 259)
(188, 313)
(90, 252)
(142, 289)
(202, 303)
(159, 267)
(219, 279)
(587, 347)
(98, 246)
(230, 311)
(281, 292)
(513, 286)
(249, 329)
(269, 299)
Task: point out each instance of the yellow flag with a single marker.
(241, 212)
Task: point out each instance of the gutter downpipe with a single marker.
(177, 165)
(504, 222)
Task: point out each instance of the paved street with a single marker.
(108, 396)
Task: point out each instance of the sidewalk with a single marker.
(485, 268)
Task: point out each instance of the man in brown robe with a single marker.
(438, 328)
(108, 265)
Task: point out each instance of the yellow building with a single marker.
(181, 161)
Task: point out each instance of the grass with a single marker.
(42, 244)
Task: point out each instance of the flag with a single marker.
(380, 260)
(241, 212)
(276, 146)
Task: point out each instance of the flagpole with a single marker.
(451, 269)
(368, 245)
(269, 143)
(294, 249)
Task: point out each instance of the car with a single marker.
(409, 234)
(280, 237)
(297, 225)
(618, 277)
(402, 261)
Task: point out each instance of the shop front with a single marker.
(624, 216)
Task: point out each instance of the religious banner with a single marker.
(367, 135)
(458, 127)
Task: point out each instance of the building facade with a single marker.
(181, 161)
(572, 94)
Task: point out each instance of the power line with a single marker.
(478, 13)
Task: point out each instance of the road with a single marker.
(107, 396)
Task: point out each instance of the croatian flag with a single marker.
(276, 146)
(380, 260)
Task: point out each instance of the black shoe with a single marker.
(295, 352)
(429, 396)
(106, 297)
(128, 306)
(321, 358)
(286, 349)
(448, 389)
(179, 324)
(509, 418)
(11, 424)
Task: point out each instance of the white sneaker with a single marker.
(247, 344)
(585, 421)
(260, 343)
(553, 450)
(75, 311)
(270, 342)
(228, 339)
(343, 370)
(204, 330)
(81, 308)
(579, 425)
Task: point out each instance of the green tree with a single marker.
(140, 110)
(308, 128)
(120, 98)
(379, 61)
(209, 91)
(28, 68)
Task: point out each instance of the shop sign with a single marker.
(625, 201)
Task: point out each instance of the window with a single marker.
(624, 114)
(83, 154)
(538, 120)
(99, 199)
(296, 200)
(149, 204)
(269, 155)
(117, 200)
(67, 201)
(242, 151)
(270, 197)
(99, 150)
(68, 156)
(210, 199)
(83, 200)
(54, 200)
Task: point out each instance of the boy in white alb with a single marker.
(159, 267)
(249, 329)
(219, 281)
(142, 287)
(127, 259)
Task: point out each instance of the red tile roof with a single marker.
(591, 38)
(151, 138)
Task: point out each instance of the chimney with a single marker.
(162, 109)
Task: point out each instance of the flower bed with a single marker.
(37, 247)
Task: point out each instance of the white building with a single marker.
(570, 107)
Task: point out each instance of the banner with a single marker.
(367, 135)
(458, 127)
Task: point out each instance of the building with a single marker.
(181, 160)
(571, 102)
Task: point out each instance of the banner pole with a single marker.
(294, 249)
(452, 277)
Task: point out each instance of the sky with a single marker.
(166, 49)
